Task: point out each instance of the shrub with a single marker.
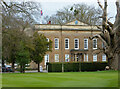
(71, 67)
(54, 67)
(76, 66)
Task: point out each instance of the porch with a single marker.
(79, 55)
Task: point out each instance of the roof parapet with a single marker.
(64, 27)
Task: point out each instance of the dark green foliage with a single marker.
(40, 48)
(11, 44)
(54, 67)
(76, 66)
(69, 67)
(22, 57)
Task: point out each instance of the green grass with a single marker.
(67, 79)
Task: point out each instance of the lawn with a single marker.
(67, 79)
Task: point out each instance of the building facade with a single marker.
(71, 42)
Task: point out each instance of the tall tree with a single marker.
(84, 13)
(110, 36)
(11, 44)
(19, 14)
(40, 48)
(23, 56)
(16, 16)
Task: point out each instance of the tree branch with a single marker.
(110, 18)
(100, 5)
(100, 37)
(97, 51)
(117, 6)
(111, 25)
(6, 4)
(99, 28)
(108, 28)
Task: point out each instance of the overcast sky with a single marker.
(50, 7)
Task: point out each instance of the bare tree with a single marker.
(16, 16)
(84, 13)
(19, 14)
(110, 36)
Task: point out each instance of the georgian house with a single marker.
(71, 42)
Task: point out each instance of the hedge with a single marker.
(54, 67)
(76, 66)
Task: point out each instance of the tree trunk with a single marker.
(38, 67)
(119, 61)
(3, 63)
(20, 68)
(116, 29)
(23, 69)
(111, 36)
(13, 62)
(113, 62)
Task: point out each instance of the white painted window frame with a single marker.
(94, 55)
(55, 57)
(85, 57)
(68, 58)
(58, 43)
(93, 43)
(68, 43)
(84, 43)
(45, 59)
(104, 56)
(48, 41)
(74, 43)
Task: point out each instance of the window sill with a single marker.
(56, 49)
(76, 48)
(94, 48)
(66, 48)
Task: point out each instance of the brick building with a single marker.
(71, 42)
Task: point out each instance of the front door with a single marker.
(79, 57)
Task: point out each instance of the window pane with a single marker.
(47, 39)
(85, 57)
(46, 58)
(94, 43)
(94, 57)
(47, 44)
(85, 43)
(66, 43)
(56, 57)
(103, 57)
(56, 43)
(66, 57)
(76, 43)
(103, 45)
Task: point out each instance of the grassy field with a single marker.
(67, 79)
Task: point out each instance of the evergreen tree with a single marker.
(40, 48)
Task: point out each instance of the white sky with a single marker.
(50, 7)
